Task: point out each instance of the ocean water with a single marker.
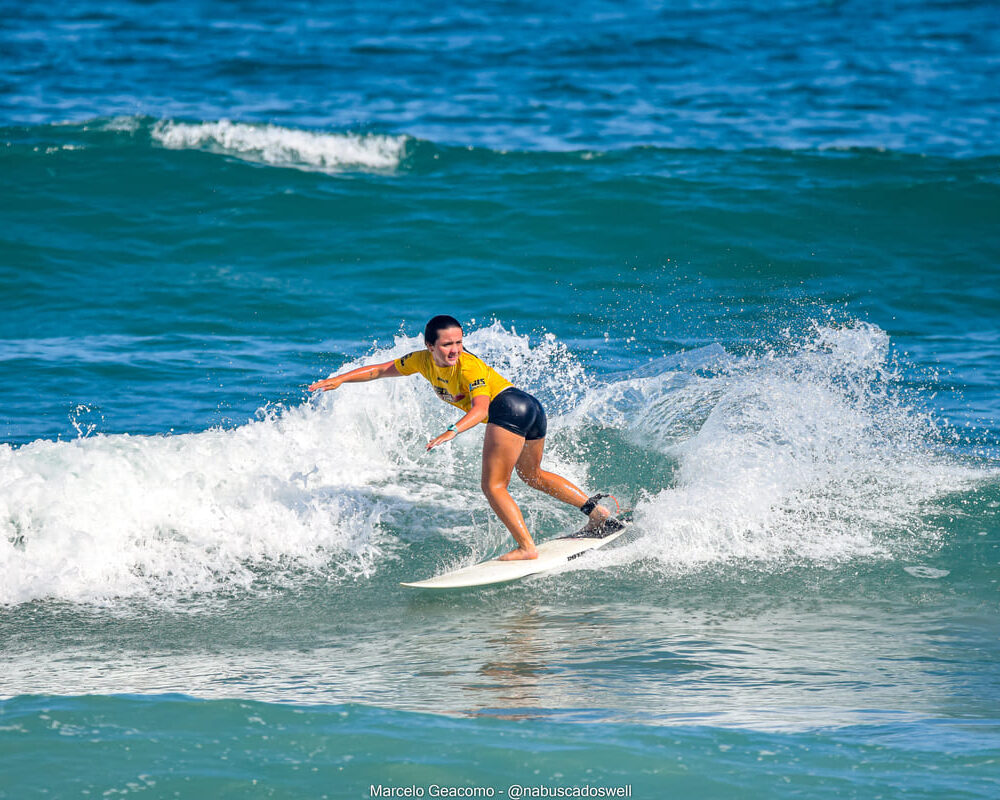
(747, 254)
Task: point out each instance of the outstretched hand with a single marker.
(326, 385)
(447, 436)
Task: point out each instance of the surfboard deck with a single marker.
(551, 554)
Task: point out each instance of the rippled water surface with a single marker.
(745, 254)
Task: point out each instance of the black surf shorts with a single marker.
(518, 412)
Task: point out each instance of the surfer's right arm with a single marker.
(359, 375)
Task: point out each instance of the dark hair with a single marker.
(437, 324)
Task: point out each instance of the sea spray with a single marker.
(807, 451)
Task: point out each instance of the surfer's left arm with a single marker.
(478, 412)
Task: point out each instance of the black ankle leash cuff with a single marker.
(591, 503)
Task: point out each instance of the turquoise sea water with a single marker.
(747, 255)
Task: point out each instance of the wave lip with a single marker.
(284, 147)
(815, 452)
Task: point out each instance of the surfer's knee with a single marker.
(492, 488)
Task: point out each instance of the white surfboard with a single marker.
(551, 554)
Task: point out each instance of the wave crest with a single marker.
(284, 147)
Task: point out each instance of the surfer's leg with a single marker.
(529, 468)
(501, 449)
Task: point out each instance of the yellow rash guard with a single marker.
(457, 385)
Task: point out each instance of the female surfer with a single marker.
(515, 430)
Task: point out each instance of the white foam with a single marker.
(121, 124)
(284, 147)
(124, 516)
(930, 573)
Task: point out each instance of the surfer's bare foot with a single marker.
(597, 518)
(519, 554)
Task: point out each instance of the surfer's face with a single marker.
(448, 347)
